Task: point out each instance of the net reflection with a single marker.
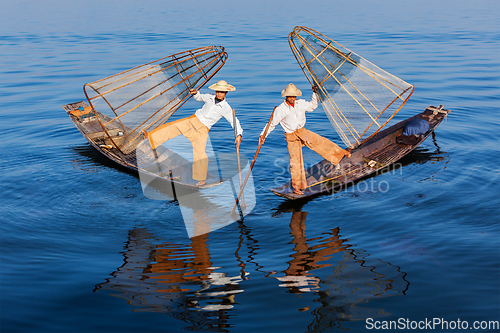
(177, 279)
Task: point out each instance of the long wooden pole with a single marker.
(253, 162)
(242, 204)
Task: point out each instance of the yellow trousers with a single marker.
(195, 131)
(302, 137)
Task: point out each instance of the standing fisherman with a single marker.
(291, 114)
(195, 128)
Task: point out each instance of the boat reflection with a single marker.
(182, 280)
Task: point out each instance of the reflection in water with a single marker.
(181, 280)
(307, 258)
(175, 279)
(350, 281)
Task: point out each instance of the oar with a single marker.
(242, 204)
(251, 165)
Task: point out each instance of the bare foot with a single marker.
(298, 191)
(144, 134)
(201, 183)
(347, 153)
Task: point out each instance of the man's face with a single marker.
(220, 95)
(291, 99)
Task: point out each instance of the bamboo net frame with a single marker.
(146, 96)
(358, 97)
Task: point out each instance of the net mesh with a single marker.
(358, 97)
(144, 97)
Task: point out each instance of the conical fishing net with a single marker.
(358, 97)
(144, 97)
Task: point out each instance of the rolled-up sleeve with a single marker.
(239, 130)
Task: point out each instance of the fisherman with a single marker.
(195, 128)
(291, 114)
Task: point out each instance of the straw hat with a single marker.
(291, 90)
(222, 86)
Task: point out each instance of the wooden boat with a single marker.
(377, 153)
(359, 99)
(118, 108)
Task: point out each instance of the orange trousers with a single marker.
(302, 137)
(195, 131)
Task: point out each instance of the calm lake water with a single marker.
(83, 250)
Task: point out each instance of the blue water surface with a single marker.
(83, 250)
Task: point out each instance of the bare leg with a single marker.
(297, 191)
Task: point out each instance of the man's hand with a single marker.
(237, 141)
(261, 139)
(193, 91)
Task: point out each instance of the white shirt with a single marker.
(211, 112)
(292, 118)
